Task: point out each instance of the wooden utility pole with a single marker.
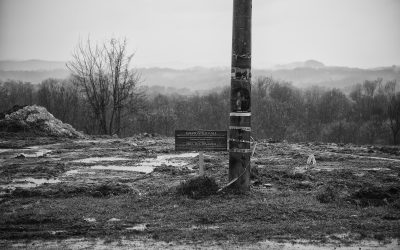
(240, 116)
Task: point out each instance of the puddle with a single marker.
(75, 172)
(28, 152)
(265, 190)
(57, 232)
(39, 152)
(377, 158)
(114, 220)
(323, 169)
(29, 182)
(204, 227)
(100, 159)
(300, 170)
(138, 227)
(33, 153)
(4, 150)
(376, 169)
(71, 172)
(142, 169)
(309, 246)
(170, 159)
(146, 166)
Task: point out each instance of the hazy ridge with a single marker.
(301, 74)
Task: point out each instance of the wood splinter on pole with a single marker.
(240, 116)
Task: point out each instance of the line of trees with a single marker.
(369, 114)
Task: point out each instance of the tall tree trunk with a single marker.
(118, 121)
(103, 122)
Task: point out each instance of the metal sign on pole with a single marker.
(201, 140)
(240, 116)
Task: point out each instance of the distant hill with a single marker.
(307, 64)
(33, 71)
(31, 65)
(166, 80)
(194, 78)
(33, 76)
(331, 77)
(302, 77)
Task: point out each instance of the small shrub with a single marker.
(396, 204)
(198, 187)
(327, 195)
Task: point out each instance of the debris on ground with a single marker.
(37, 120)
(311, 160)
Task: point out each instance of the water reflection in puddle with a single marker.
(100, 159)
(124, 168)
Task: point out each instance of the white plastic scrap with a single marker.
(90, 220)
(311, 160)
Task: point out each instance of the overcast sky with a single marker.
(186, 33)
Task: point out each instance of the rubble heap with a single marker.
(37, 120)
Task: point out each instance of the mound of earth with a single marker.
(37, 120)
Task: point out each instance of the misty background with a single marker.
(323, 70)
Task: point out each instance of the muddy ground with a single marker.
(109, 192)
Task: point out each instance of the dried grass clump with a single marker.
(198, 187)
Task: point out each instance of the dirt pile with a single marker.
(37, 120)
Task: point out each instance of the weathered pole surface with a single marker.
(240, 116)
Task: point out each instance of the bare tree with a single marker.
(102, 73)
(393, 108)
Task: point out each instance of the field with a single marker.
(109, 192)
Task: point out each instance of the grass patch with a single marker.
(376, 195)
(328, 194)
(62, 190)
